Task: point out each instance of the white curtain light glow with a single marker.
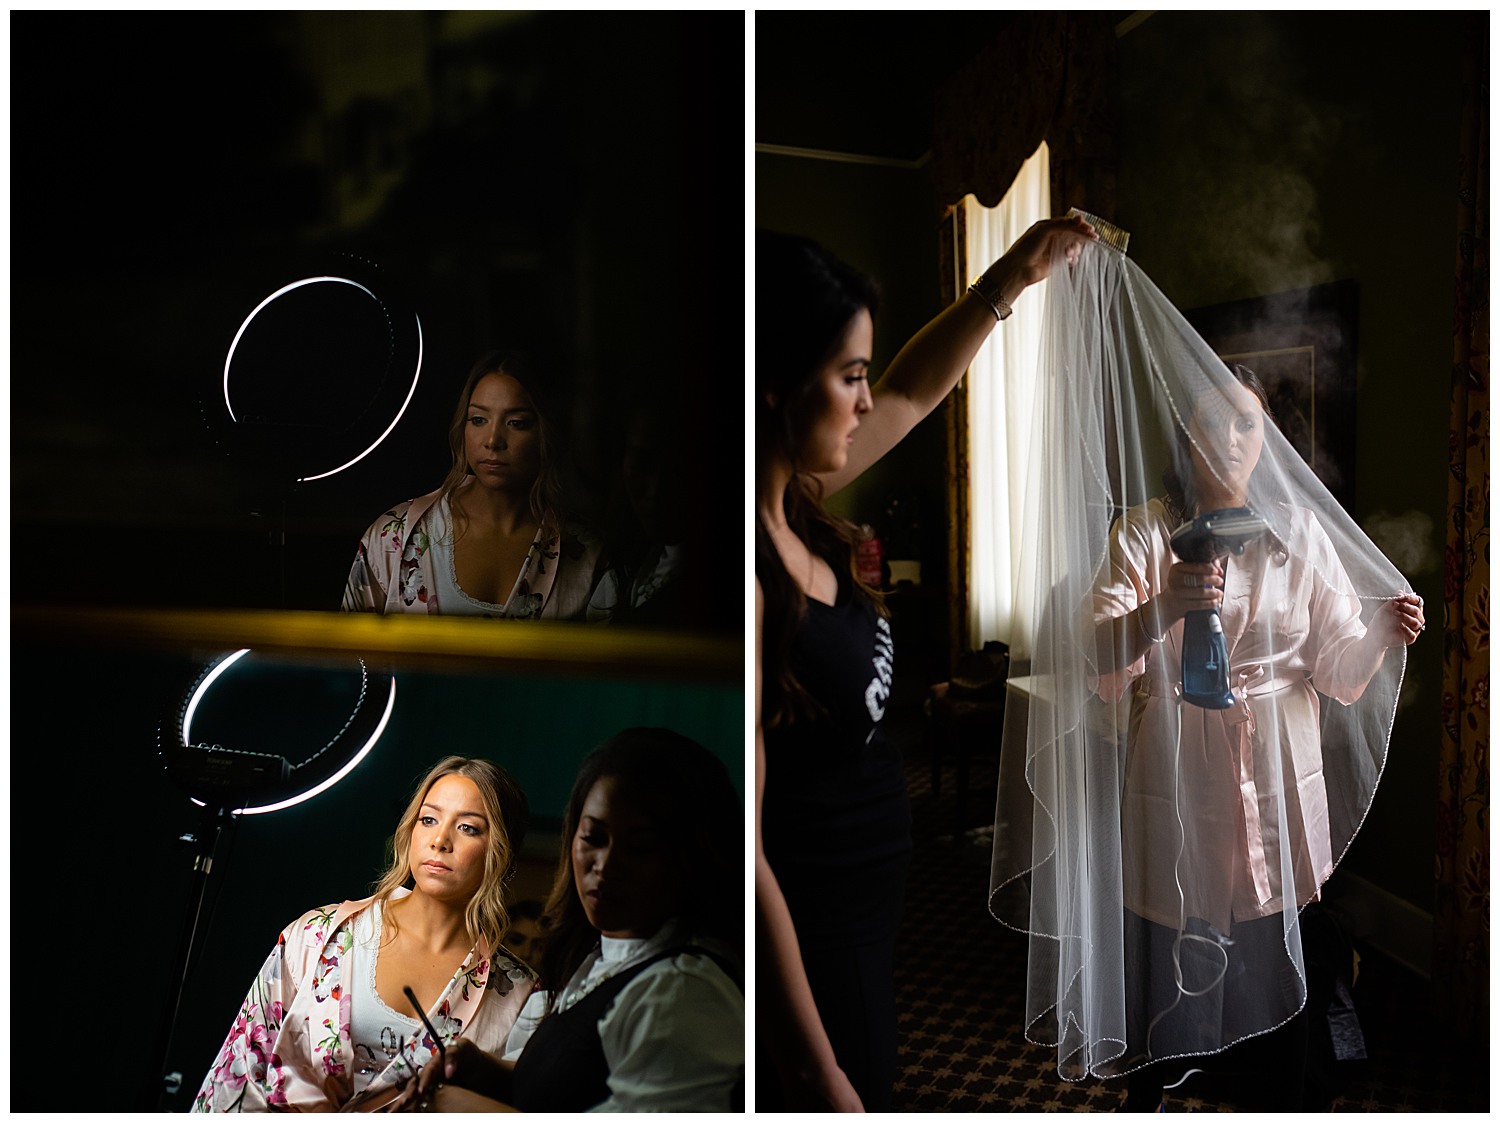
(1002, 388)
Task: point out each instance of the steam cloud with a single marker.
(1407, 540)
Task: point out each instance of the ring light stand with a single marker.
(226, 783)
(275, 372)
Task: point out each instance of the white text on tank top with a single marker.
(879, 690)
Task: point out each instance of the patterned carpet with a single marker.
(961, 987)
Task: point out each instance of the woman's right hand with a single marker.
(1029, 260)
(822, 1091)
(1190, 587)
(463, 1064)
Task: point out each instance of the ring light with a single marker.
(326, 279)
(415, 374)
(200, 691)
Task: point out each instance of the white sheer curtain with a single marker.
(1002, 387)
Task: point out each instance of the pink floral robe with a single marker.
(289, 1046)
(393, 569)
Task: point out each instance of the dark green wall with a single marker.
(1265, 152)
(881, 220)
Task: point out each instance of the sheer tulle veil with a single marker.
(1158, 854)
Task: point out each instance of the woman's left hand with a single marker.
(1031, 256)
(1399, 621)
(1029, 260)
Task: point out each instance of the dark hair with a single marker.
(547, 492)
(1177, 479)
(526, 910)
(804, 300)
(686, 792)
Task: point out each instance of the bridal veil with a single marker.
(1156, 852)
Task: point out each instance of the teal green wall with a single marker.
(541, 729)
(1265, 152)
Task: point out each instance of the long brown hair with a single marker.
(547, 491)
(805, 298)
(505, 808)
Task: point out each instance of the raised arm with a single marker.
(933, 360)
(790, 1027)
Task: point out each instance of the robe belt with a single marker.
(1239, 725)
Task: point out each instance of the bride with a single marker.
(1157, 851)
(495, 540)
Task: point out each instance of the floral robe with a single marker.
(393, 568)
(289, 1047)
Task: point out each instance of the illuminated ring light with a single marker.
(201, 690)
(415, 374)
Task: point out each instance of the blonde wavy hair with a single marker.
(505, 808)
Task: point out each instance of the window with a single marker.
(1001, 390)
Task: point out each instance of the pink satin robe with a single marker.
(1291, 635)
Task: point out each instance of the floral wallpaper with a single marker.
(1462, 902)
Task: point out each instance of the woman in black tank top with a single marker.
(640, 1001)
(833, 830)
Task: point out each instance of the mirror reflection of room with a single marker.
(335, 217)
(1098, 914)
(496, 538)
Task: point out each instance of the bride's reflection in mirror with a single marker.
(499, 538)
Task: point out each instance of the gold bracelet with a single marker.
(988, 289)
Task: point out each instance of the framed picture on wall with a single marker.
(1303, 346)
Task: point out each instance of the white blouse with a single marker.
(674, 1038)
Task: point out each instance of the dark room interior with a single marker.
(1248, 154)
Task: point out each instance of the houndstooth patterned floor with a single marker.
(960, 990)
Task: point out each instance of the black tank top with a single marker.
(835, 819)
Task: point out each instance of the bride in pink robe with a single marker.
(325, 1025)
